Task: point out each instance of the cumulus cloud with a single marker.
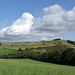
(70, 15)
(55, 21)
(52, 9)
(18, 29)
(21, 26)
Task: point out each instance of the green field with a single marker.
(31, 67)
(6, 51)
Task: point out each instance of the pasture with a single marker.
(31, 67)
(6, 51)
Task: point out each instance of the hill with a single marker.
(23, 45)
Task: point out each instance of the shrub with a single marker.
(0, 43)
(71, 42)
(68, 56)
(19, 49)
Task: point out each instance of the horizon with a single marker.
(32, 41)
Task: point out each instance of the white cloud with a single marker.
(52, 9)
(18, 29)
(55, 21)
(74, 8)
(70, 15)
(21, 26)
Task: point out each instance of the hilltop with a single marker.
(24, 45)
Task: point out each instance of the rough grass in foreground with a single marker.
(31, 67)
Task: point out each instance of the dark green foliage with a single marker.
(26, 49)
(43, 43)
(19, 49)
(53, 56)
(73, 60)
(57, 39)
(71, 42)
(11, 45)
(44, 57)
(68, 57)
(56, 56)
(3, 47)
(0, 43)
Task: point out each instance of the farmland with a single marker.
(6, 51)
(19, 58)
(31, 67)
(24, 45)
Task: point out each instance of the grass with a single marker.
(6, 51)
(31, 67)
(22, 45)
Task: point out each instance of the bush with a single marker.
(57, 39)
(68, 57)
(53, 57)
(19, 49)
(71, 42)
(0, 43)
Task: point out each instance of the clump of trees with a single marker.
(68, 57)
(71, 42)
(57, 39)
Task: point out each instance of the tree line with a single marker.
(66, 57)
(71, 42)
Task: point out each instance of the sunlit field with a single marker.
(6, 51)
(31, 67)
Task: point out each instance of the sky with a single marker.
(36, 20)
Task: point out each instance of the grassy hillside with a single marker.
(31, 67)
(23, 45)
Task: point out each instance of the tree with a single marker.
(71, 42)
(43, 43)
(0, 43)
(54, 56)
(19, 49)
(57, 39)
(26, 49)
(68, 56)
